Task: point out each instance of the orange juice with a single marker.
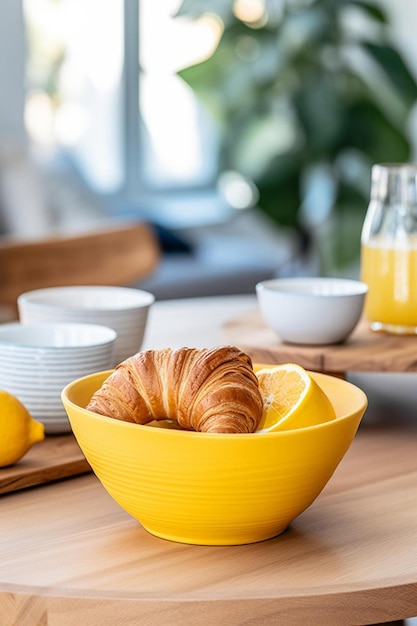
(390, 272)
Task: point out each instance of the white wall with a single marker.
(12, 71)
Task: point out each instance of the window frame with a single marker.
(136, 187)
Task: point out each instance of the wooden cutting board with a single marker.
(364, 351)
(53, 458)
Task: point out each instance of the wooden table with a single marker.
(69, 555)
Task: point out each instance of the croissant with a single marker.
(207, 390)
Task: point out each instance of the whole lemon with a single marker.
(18, 430)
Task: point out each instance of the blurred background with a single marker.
(243, 131)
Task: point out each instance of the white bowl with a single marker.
(312, 310)
(55, 337)
(122, 308)
(38, 360)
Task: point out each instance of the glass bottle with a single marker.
(389, 249)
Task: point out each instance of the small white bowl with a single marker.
(122, 308)
(311, 310)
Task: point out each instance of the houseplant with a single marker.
(308, 94)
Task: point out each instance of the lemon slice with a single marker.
(292, 398)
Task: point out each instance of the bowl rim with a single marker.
(299, 286)
(106, 336)
(216, 436)
(140, 298)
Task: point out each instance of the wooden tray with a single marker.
(364, 351)
(53, 458)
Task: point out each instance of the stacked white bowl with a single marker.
(122, 308)
(38, 360)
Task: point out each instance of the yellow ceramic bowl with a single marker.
(210, 488)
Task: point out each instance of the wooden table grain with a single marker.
(69, 555)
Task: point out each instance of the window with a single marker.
(74, 78)
(140, 132)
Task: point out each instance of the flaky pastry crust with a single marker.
(207, 390)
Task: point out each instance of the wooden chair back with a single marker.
(118, 256)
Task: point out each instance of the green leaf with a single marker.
(374, 11)
(395, 68)
(321, 112)
(279, 190)
(197, 8)
(371, 132)
(350, 198)
(206, 79)
(350, 211)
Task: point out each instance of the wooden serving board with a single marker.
(53, 458)
(364, 351)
